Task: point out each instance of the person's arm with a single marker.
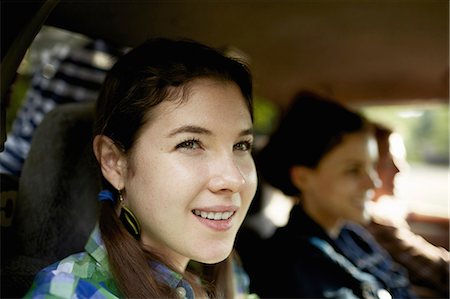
(428, 265)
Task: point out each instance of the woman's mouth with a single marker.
(219, 221)
(213, 215)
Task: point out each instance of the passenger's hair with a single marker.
(156, 71)
(310, 128)
(382, 134)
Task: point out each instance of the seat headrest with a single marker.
(57, 204)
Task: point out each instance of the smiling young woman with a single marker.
(323, 251)
(173, 139)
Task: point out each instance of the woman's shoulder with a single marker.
(361, 236)
(76, 276)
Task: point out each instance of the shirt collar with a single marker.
(96, 248)
(304, 226)
(174, 280)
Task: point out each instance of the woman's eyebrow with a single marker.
(200, 130)
(189, 129)
(248, 131)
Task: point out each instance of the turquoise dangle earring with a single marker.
(128, 219)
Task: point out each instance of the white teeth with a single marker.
(213, 215)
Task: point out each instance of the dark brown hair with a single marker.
(382, 134)
(157, 70)
(311, 127)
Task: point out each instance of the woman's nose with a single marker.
(373, 180)
(226, 175)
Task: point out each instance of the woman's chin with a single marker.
(214, 256)
(362, 219)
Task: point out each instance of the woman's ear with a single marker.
(300, 176)
(112, 160)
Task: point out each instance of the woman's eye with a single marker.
(189, 144)
(353, 171)
(243, 146)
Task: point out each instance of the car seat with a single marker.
(56, 206)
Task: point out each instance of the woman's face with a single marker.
(387, 169)
(342, 184)
(191, 176)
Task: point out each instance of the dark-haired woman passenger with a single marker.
(173, 139)
(324, 155)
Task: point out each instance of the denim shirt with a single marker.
(362, 250)
(88, 275)
(302, 261)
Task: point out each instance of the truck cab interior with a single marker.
(387, 59)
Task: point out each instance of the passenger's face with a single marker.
(191, 174)
(386, 168)
(341, 185)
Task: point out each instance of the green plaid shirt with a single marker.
(87, 275)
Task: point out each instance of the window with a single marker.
(423, 186)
